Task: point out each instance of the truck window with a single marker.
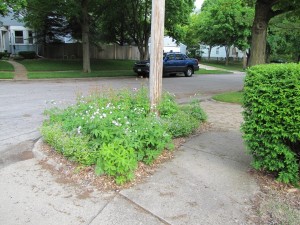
(179, 57)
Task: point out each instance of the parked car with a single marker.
(173, 62)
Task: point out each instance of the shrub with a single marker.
(115, 130)
(2, 54)
(272, 119)
(27, 54)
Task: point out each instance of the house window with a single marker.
(19, 37)
(217, 51)
(30, 37)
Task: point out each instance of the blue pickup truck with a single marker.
(173, 63)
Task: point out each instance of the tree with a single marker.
(6, 5)
(132, 21)
(44, 16)
(265, 10)
(47, 19)
(283, 37)
(225, 23)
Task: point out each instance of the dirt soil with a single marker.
(276, 203)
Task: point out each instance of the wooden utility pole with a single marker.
(156, 51)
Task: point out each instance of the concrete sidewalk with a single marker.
(206, 183)
(202, 66)
(20, 70)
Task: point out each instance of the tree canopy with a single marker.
(6, 5)
(224, 23)
(283, 38)
(129, 21)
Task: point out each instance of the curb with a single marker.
(41, 156)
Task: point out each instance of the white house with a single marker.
(219, 52)
(14, 36)
(170, 45)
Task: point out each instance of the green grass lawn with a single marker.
(204, 71)
(237, 66)
(6, 75)
(231, 97)
(5, 66)
(75, 65)
(78, 74)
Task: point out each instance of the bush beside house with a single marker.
(272, 119)
(27, 54)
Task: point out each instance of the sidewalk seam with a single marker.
(145, 210)
(99, 212)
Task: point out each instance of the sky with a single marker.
(198, 3)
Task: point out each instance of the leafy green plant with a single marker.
(186, 120)
(272, 119)
(118, 160)
(115, 130)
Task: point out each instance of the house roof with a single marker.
(9, 20)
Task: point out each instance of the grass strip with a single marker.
(75, 65)
(231, 97)
(5, 66)
(6, 75)
(78, 74)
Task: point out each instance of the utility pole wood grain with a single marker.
(156, 51)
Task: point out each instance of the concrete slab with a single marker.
(122, 211)
(197, 188)
(31, 195)
(225, 144)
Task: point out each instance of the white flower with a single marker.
(79, 130)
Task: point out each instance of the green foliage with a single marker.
(117, 160)
(4, 54)
(5, 66)
(7, 5)
(132, 21)
(186, 120)
(232, 97)
(283, 38)
(272, 119)
(27, 54)
(224, 22)
(115, 130)
(73, 65)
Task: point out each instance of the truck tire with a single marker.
(189, 71)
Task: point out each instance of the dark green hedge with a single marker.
(272, 119)
(4, 54)
(28, 54)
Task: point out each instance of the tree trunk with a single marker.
(144, 52)
(227, 50)
(209, 52)
(244, 60)
(263, 13)
(85, 37)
